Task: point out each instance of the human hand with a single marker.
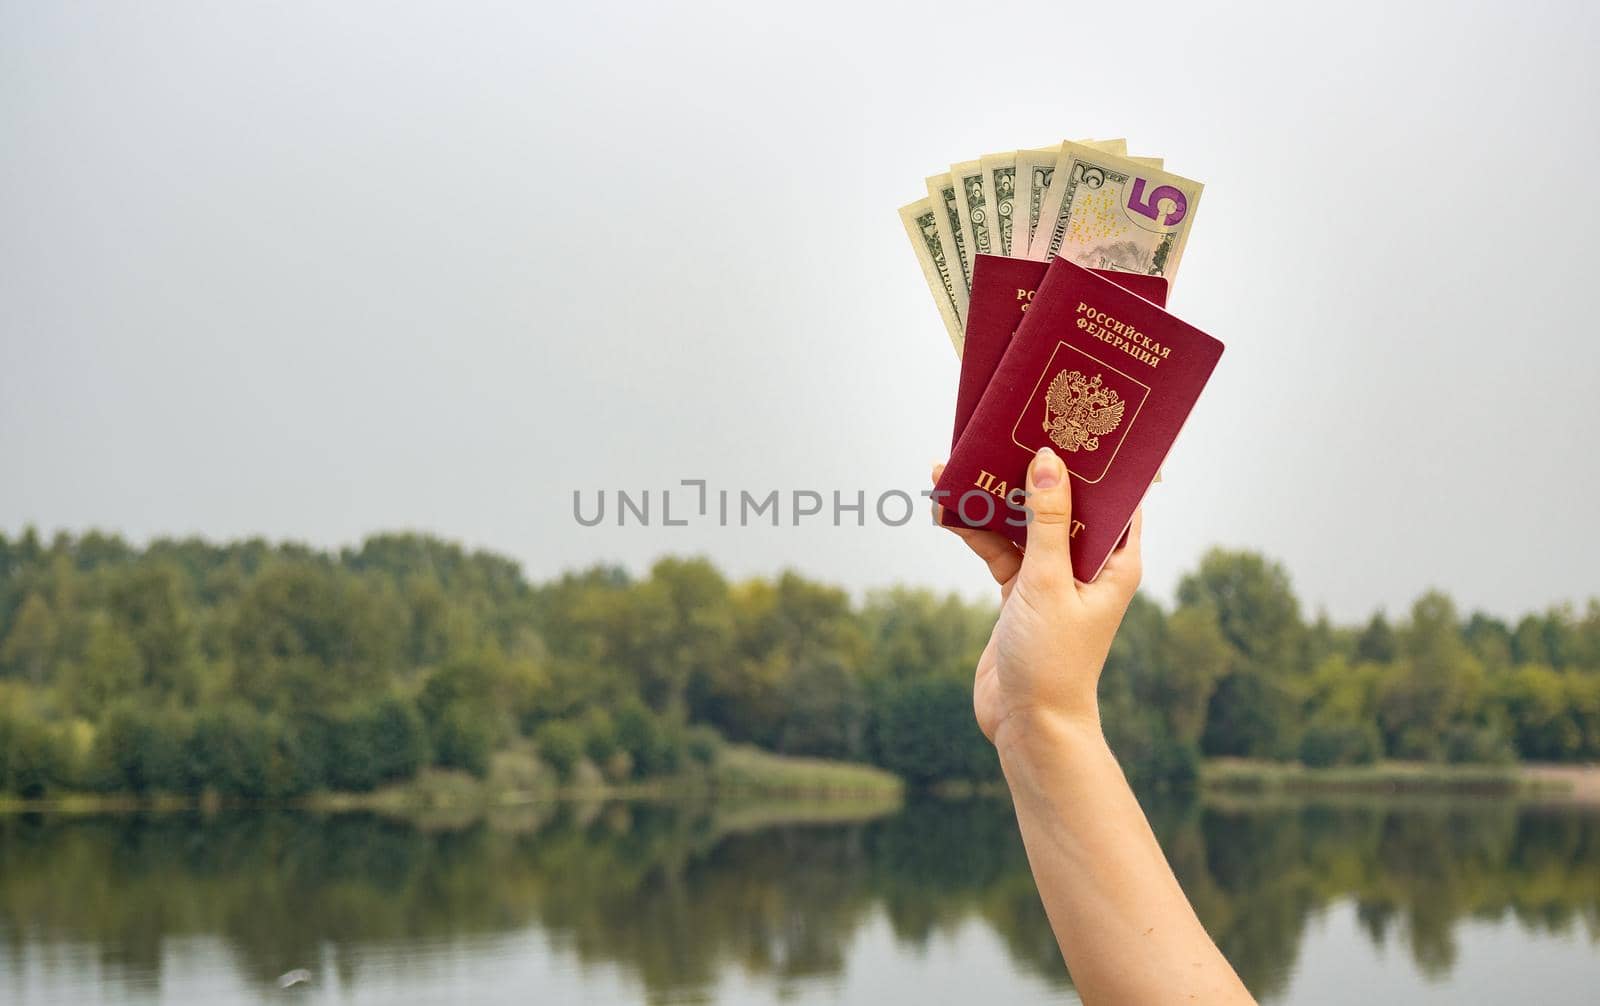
(1048, 646)
(1125, 928)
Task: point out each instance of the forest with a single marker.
(259, 671)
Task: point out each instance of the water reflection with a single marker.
(680, 898)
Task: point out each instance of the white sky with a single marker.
(315, 270)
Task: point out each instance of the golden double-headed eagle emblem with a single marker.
(1079, 410)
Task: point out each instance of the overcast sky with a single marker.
(314, 270)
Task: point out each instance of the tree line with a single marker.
(261, 671)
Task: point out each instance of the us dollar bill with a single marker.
(919, 219)
(1035, 168)
(999, 179)
(973, 208)
(984, 206)
(942, 191)
(1108, 212)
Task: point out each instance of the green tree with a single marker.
(1332, 742)
(398, 738)
(147, 602)
(1583, 699)
(680, 630)
(229, 752)
(561, 747)
(925, 732)
(638, 734)
(1478, 743)
(1156, 687)
(1562, 638)
(1437, 682)
(1254, 604)
(789, 627)
(1489, 639)
(1536, 701)
(483, 689)
(1586, 638)
(913, 633)
(826, 710)
(306, 635)
(462, 741)
(1192, 658)
(141, 750)
(109, 669)
(30, 645)
(702, 745)
(1340, 714)
(599, 735)
(33, 760)
(1251, 711)
(1323, 639)
(1528, 642)
(1377, 643)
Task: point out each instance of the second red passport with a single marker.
(1002, 289)
(1103, 377)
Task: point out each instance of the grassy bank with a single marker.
(1237, 775)
(740, 772)
(750, 771)
(515, 777)
(751, 776)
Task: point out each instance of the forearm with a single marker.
(1124, 925)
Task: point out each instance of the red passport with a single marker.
(1002, 289)
(1102, 376)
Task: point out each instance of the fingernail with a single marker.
(1046, 469)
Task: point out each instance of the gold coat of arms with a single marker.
(1079, 410)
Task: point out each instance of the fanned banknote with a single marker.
(984, 190)
(956, 234)
(999, 179)
(972, 207)
(942, 192)
(919, 221)
(1007, 204)
(1035, 168)
(1108, 212)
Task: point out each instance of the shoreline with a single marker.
(741, 775)
(1525, 781)
(751, 776)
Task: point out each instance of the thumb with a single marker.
(1048, 556)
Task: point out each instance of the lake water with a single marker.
(1408, 902)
